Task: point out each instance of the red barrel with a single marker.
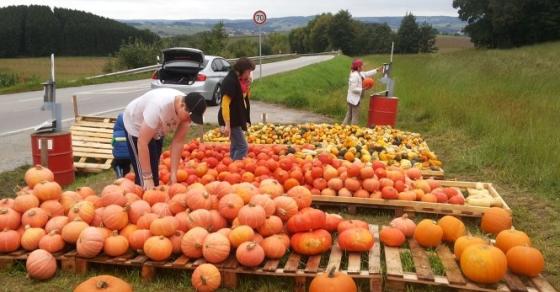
(59, 155)
(382, 111)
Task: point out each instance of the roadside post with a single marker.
(259, 17)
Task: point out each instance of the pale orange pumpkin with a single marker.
(161, 209)
(9, 219)
(191, 243)
(115, 217)
(217, 221)
(507, 239)
(137, 239)
(198, 199)
(165, 226)
(137, 209)
(90, 243)
(176, 241)
(178, 203)
(71, 231)
(158, 248)
(9, 240)
(40, 265)
(127, 230)
(201, 218)
(525, 260)
(404, 224)
(428, 233)
(266, 202)
(250, 254)
(85, 192)
(206, 278)
(53, 208)
(452, 227)
(145, 221)
(301, 195)
(252, 215)
(332, 281)
(47, 190)
(216, 248)
(272, 225)
(37, 174)
(274, 247)
(286, 207)
(25, 202)
(83, 210)
(35, 217)
(483, 263)
(56, 223)
(229, 206)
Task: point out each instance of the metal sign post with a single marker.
(49, 103)
(259, 17)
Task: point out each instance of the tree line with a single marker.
(38, 31)
(511, 23)
(341, 32)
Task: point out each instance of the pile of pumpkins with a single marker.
(199, 221)
(480, 261)
(395, 147)
(323, 175)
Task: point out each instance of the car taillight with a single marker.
(201, 77)
(155, 75)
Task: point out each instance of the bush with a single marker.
(137, 54)
(8, 79)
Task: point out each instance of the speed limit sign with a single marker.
(259, 17)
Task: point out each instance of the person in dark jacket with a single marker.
(121, 161)
(235, 106)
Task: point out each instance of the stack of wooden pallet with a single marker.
(92, 143)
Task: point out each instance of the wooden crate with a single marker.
(412, 207)
(299, 267)
(64, 257)
(92, 143)
(396, 278)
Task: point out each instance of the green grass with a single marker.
(490, 115)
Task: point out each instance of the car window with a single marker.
(225, 65)
(217, 66)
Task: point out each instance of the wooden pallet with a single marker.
(299, 267)
(396, 278)
(65, 258)
(412, 207)
(91, 143)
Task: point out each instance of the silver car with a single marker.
(189, 70)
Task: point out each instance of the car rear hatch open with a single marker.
(181, 65)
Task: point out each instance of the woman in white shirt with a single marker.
(356, 90)
(146, 121)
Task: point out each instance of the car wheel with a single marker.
(217, 95)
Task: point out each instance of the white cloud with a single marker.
(243, 9)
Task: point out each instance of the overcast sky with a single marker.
(243, 9)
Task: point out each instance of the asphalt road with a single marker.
(22, 111)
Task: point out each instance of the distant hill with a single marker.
(166, 28)
(39, 31)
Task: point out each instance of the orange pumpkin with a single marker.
(71, 231)
(53, 208)
(37, 174)
(47, 190)
(165, 226)
(311, 243)
(301, 195)
(40, 265)
(252, 215)
(137, 209)
(250, 254)
(145, 221)
(510, 238)
(483, 263)
(286, 207)
(332, 281)
(161, 209)
(428, 233)
(355, 240)
(25, 202)
(30, 238)
(9, 240)
(158, 248)
(272, 225)
(206, 277)
(349, 224)
(216, 248)
(35, 217)
(85, 192)
(137, 239)
(201, 218)
(115, 217)
(465, 241)
(56, 223)
(391, 236)
(191, 243)
(307, 219)
(452, 227)
(198, 199)
(115, 245)
(105, 283)
(274, 247)
(229, 206)
(495, 220)
(240, 234)
(525, 260)
(9, 219)
(266, 202)
(90, 243)
(52, 242)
